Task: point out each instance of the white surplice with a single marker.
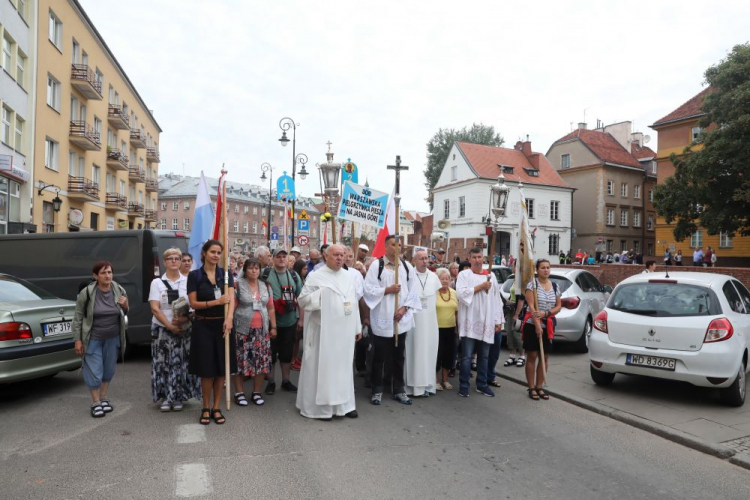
(382, 306)
(326, 383)
(478, 313)
(359, 282)
(422, 340)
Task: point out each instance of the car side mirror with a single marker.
(607, 289)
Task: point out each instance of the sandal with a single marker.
(240, 399)
(510, 361)
(495, 383)
(542, 394)
(521, 362)
(97, 411)
(106, 407)
(205, 416)
(533, 394)
(217, 416)
(447, 386)
(257, 399)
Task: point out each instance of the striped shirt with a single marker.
(545, 299)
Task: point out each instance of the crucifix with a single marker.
(397, 200)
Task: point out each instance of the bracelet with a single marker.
(206, 304)
(272, 328)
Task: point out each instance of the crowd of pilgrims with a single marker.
(331, 316)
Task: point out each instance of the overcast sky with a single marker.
(378, 79)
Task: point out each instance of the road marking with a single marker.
(192, 480)
(191, 433)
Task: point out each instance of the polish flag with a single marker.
(388, 229)
(217, 228)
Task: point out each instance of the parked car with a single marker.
(583, 297)
(36, 338)
(501, 272)
(684, 326)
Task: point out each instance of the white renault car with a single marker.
(684, 326)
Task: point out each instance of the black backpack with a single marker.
(381, 265)
(267, 272)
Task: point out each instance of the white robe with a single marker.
(326, 383)
(359, 282)
(422, 341)
(382, 306)
(478, 313)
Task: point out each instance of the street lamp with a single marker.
(285, 124)
(302, 160)
(329, 174)
(266, 167)
(498, 203)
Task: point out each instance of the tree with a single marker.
(711, 184)
(442, 142)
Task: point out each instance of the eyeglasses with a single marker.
(172, 259)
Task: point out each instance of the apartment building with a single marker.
(96, 140)
(17, 36)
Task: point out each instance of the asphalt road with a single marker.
(443, 446)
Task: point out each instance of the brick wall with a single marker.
(612, 274)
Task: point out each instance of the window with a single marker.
(163, 224)
(744, 294)
(565, 161)
(186, 224)
(263, 212)
(18, 144)
(610, 246)
(174, 224)
(694, 133)
(454, 173)
(255, 227)
(462, 206)
(532, 172)
(236, 209)
(611, 188)
(7, 53)
(507, 169)
(163, 205)
(52, 155)
(21, 69)
(650, 222)
(636, 191)
(94, 225)
(97, 126)
(651, 195)
(111, 183)
(53, 93)
(696, 239)
(255, 210)
(725, 240)
(735, 302)
(624, 190)
(6, 125)
(530, 207)
(245, 226)
(623, 218)
(186, 205)
(637, 246)
(554, 211)
(245, 209)
(22, 9)
(654, 167)
(636, 218)
(554, 244)
(236, 227)
(446, 209)
(650, 247)
(55, 30)
(610, 216)
(175, 205)
(623, 246)
(99, 75)
(96, 175)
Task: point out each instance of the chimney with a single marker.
(524, 147)
(582, 125)
(637, 138)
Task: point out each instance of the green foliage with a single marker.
(711, 185)
(442, 142)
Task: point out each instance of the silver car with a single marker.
(36, 338)
(583, 296)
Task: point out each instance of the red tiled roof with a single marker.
(485, 160)
(603, 145)
(642, 152)
(689, 109)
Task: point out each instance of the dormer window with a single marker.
(507, 169)
(532, 172)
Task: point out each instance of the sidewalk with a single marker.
(690, 415)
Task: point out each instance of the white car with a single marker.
(691, 327)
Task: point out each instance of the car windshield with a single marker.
(562, 283)
(15, 290)
(664, 300)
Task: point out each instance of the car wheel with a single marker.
(734, 395)
(601, 378)
(582, 344)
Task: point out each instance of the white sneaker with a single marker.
(165, 406)
(177, 406)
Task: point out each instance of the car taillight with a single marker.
(600, 322)
(14, 331)
(570, 302)
(718, 330)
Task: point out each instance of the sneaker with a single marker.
(270, 388)
(177, 406)
(486, 391)
(288, 386)
(439, 387)
(376, 398)
(402, 398)
(165, 406)
(464, 393)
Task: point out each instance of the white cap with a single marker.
(296, 249)
(364, 247)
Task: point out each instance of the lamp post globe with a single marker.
(499, 197)
(56, 203)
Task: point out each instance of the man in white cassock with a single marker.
(332, 325)
(380, 292)
(480, 315)
(422, 341)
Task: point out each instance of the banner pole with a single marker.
(225, 238)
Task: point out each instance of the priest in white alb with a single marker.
(422, 341)
(332, 326)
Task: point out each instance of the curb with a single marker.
(717, 450)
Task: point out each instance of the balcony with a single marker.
(84, 81)
(135, 210)
(152, 154)
(136, 174)
(117, 159)
(117, 118)
(80, 188)
(149, 215)
(152, 185)
(82, 134)
(116, 202)
(137, 139)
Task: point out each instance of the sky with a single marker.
(378, 79)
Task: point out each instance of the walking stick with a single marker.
(225, 241)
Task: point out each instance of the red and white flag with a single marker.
(388, 229)
(216, 232)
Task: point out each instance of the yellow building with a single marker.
(96, 142)
(676, 131)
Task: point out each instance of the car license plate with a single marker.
(651, 362)
(51, 329)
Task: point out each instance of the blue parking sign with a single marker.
(303, 225)
(274, 236)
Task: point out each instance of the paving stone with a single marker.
(710, 431)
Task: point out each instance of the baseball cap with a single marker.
(279, 251)
(296, 249)
(364, 247)
(441, 251)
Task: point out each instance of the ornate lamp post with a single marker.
(285, 124)
(329, 174)
(498, 203)
(266, 167)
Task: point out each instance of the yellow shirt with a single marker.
(446, 310)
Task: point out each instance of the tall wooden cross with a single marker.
(397, 201)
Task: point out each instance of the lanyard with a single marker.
(420, 280)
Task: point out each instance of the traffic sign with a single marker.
(303, 215)
(274, 244)
(275, 229)
(303, 240)
(303, 225)
(274, 236)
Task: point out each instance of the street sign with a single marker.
(303, 225)
(303, 240)
(285, 188)
(275, 229)
(274, 244)
(303, 215)
(274, 236)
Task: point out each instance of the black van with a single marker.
(60, 262)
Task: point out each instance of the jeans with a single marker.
(388, 362)
(467, 350)
(493, 356)
(100, 361)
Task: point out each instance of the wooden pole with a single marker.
(541, 339)
(225, 242)
(397, 202)
(355, 240)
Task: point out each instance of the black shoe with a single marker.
(352, 414)
(270, 388)
(288, 386)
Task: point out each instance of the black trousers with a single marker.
(360, 352)
(388, 362)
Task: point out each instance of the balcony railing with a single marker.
(84, 80)
(152, 154)
(137, 138)
(135, 209)
(82, 189)
(117, 118)
(136, 174)
(82, 134)
(150, 215)
(116, 201)
(117, 159)
(152, 185)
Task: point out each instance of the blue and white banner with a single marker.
(362, 204)
(203, 221)
(285, 188)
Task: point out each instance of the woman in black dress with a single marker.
(205, 290)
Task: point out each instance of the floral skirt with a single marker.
(253, 353)
(170, 379)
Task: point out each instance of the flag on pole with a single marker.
(388, 228)
(216, 230)
(203, 219)
(525, 262)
